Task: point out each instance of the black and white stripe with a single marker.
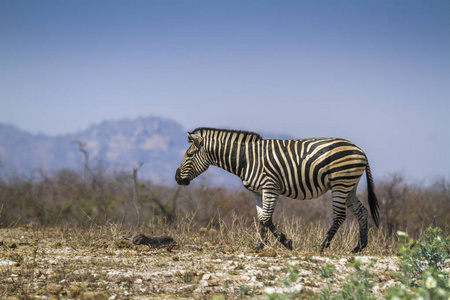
(299, 169)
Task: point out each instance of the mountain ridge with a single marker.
(119, 144)
(116, 145)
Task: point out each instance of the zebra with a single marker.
(300, 169)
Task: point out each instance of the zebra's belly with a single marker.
(308, 195)
(306, 192)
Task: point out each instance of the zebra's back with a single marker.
(305, 169)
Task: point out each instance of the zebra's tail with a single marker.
(373, 201)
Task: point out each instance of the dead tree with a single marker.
(82, 149)
(169, 214)
(136, 181)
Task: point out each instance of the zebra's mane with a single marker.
(203, 130)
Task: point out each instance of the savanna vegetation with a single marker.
(62, 235)
(69, 198)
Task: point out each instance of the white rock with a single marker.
(318, 258)
(6, 262)
(113, 273)
(206, 277)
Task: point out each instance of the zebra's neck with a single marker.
(233, 151)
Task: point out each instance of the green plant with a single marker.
(434, 286)
(293, 275)
(245, 290)
(419, 256)
(188, 277)
(271, 294)
(358, 286)
(324, 294)
(328, 270)
(422, 266)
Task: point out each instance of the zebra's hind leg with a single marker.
(338, 217)
(358, 209)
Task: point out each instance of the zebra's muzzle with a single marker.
(179, 180)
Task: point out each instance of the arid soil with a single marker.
(57, 264)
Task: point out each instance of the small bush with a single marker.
(423, 273)
(328, 270)
(272, 294)
(424, 267)
(420, 256)
(435, 285)
(358, 286)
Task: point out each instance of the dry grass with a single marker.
(69, 262)
(69, 199)
(74, 247)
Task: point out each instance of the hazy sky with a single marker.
(374, 72)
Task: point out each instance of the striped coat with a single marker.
(299, 169)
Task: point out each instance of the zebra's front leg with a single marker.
(265, 218)
(262, 228)
(263, 237)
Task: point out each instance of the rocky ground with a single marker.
(57, 264)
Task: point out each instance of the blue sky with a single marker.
(374, 72)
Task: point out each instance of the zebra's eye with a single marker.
(191, 151)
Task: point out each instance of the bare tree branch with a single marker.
(169, 214)
(82, 149)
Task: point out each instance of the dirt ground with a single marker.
(55, 264)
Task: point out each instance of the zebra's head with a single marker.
(195, 161)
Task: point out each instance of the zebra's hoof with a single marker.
(259, 247)
(358, 248)
(324, 246)
(288, 244)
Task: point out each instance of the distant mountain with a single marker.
(159, 143)
(115, 145)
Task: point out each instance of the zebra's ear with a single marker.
(196, 139)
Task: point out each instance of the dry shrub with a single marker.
(413, 207)
(74, 199)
